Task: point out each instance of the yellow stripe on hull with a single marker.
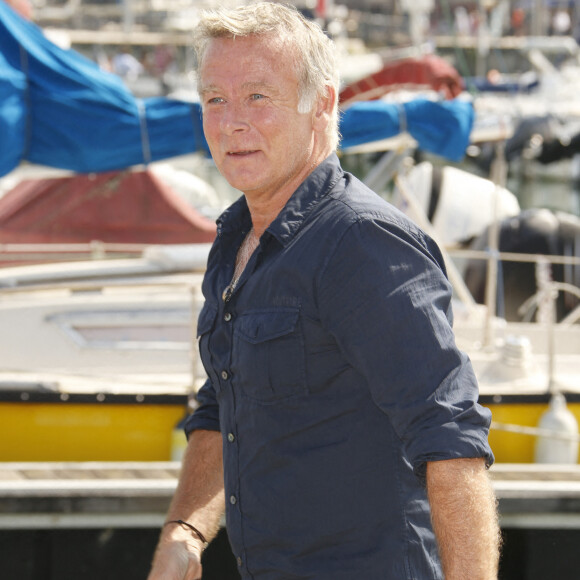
(87, 432)
(137, 432)
(510, 447)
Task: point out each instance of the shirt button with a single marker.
(225, 375)
(227, 316)
(233, 499)
(231, 437)
(239, 560)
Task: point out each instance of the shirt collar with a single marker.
(236, 216)
(310, 192)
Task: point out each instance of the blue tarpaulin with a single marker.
(440, 127)
(59, 109)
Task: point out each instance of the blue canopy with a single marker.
(59, 109)
(440, 127)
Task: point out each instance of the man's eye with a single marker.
(215, 100)
(257, 97)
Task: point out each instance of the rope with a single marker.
(28, 128)
(145, 144)
(535, 431)
(402, 118)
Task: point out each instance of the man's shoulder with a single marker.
(355, 201)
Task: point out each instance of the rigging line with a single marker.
(534, 431)
(28, 126)
(459, 52)
(145, 144)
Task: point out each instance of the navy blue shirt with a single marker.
(333, 377)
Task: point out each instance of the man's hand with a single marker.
(178, 557)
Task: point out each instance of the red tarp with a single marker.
(428, 72)
(114, 207)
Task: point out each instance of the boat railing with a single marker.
(191, 281)
(551, 293)
(155, 263)
(544, 299)
(57, 252)
(513, 256)
(551, 288)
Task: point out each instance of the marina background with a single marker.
(82, 492)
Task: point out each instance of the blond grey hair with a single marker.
(313, 53)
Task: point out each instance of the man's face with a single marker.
(258, 140)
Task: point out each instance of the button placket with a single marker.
(226, 378)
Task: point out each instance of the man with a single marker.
(337, 407)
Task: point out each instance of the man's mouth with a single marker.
(241, 153)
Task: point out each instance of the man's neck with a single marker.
(264, 210)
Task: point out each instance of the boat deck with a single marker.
(85, 495)
(537, 495)
(137, 494)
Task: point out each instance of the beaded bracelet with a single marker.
(191, 527)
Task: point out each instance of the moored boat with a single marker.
(519, 372)
(97, 358)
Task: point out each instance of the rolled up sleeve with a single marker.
(206, 416)
(385, 297)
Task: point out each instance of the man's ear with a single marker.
(323, 110)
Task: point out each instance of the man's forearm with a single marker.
(464, 515)
(199, 497)
(198, 500)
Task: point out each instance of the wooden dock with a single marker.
(85, 495)
(137, 494)
(537, 496)
(105, 517)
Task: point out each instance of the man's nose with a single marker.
(234, 118)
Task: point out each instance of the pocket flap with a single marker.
(262, 325)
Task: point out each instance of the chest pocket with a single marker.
(268, 355)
